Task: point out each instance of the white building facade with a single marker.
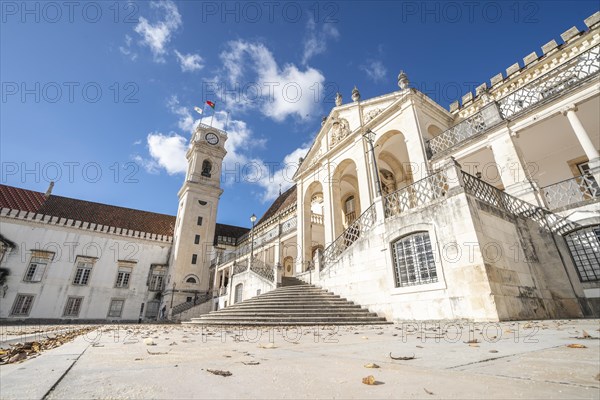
(487, 211)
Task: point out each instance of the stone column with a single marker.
(300, 226)
(513, 173)
(584, 140)
(277, 257)
(328, 206)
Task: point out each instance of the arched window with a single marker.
(206, 168)
(191, 279)
(584, 245)
(413, 260)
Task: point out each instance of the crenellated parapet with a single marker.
(90, 227)
(519, 74)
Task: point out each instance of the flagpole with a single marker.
(211, 118)
(226, 121)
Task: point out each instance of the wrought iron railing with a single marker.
(419, 193)
(263, 269)
(199, 299)
(500, 199)
(545, 88)
(239, 267)
(572, 191)
(359, 227)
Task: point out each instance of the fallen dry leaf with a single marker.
(472, 341)
(250, 362)
(576, 346)
(267, 346)
(371, 365)
(402, 358)
(493, 351)
(157, 353)
(219, 372)
(369, 380)
(427, 391)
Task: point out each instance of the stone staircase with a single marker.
(295, 303)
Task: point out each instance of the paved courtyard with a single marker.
(529, 360)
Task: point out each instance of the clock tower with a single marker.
(196, 218)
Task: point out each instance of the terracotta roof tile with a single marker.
(98, 213)
(20, 199)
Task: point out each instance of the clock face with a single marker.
(212, 138)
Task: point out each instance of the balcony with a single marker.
(542, 90)
(572, 192)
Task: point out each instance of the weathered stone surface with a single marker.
(548, 47)
(496, 79)
(467, 98)
(528, 59)
(570, 34)
(512, 69)
(592, 19)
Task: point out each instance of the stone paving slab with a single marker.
(278, 363)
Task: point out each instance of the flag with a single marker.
(210, 104)
(198, 110)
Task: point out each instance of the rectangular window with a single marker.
(35, 270)
(197, 239)
(82, 273)
(194, 258)
(116, 307)
(123, 276)
(157, 279)
(22, 305)
(199, 220)
(413, 260)
(72, 307)
(584, 245)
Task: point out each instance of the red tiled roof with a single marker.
(20, 199)
(284, 200)
(98, 213)
(87, 211)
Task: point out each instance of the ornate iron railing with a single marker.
(419, 193)
(571, 191)
(360, 226)
(465, 129)
(201, 298)
(551, 84)
(240, 267)
(263, 269)
(545, 88)
(500, 199)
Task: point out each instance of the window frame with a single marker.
(74, 299)
(110, 308)
(29, 306)
(579, 253)
(123, 277)
(413, 284)
(85, 261)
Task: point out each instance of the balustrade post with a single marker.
(379, 209)
(453, 172)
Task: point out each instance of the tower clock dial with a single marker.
(211, 138)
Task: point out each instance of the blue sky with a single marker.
(99, 96)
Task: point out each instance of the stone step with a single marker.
(293, 304)
(283, 324)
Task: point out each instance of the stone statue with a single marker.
(403, 80)
(388, 183)
(338, 99)
(355, 94)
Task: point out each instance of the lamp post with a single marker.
(368, 135)
(253, 220)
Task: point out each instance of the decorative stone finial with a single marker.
(338, 99)
(323, 120)
(355, 94)
(403, 80)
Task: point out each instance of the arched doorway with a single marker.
(346, 196)
(393, 162)
(288, 266)
(313, 217)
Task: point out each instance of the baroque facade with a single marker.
(486, 211)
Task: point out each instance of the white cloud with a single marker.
(315, 41)
(273, 180)
(186, 120)
(189, 62)
(157, 35)
(374, 70)
(276, 91)
(167, 151)
(126, 50)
